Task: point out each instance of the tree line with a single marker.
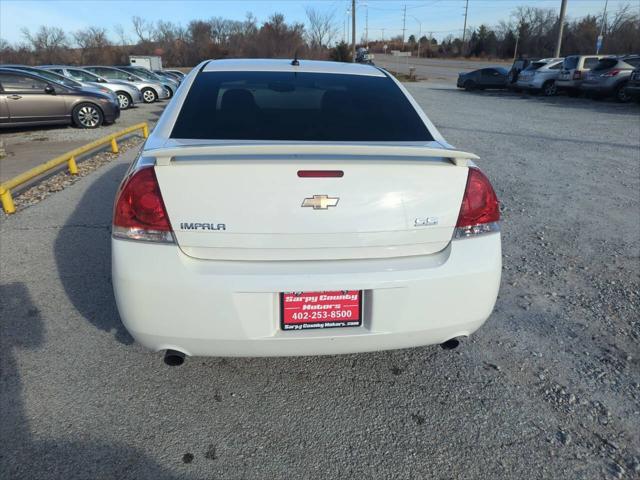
(529, 31)
(533, 32)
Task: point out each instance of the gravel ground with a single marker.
(548, 388)
(30, 146)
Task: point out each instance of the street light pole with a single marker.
(563, 9)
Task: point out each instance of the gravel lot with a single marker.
(548, 388)
(30, 146)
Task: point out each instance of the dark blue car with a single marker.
(493, 77)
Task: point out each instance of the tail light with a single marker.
(612, 73)
(480, 210)
(139, 212)
(577, 75)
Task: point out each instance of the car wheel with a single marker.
(621, 94)
(124, 100)
(469, 85)
(149, 95)
(87, 115)
(549, 89)
(170, 92)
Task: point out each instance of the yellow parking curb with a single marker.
(69, 158)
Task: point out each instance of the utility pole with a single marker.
(353, 30)
(563, 9)
(404, 24)
(464, 30)
(515, 51)
(604, 21)
(366, 28)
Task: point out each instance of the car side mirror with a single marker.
(49, 89)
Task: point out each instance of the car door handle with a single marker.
(15, 97)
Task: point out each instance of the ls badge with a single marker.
(425, 222)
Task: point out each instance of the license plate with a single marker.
(308, 310)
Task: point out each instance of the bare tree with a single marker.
(123, 38)
(93, 43)
(49, 44)
(143, 29)
(321, 30)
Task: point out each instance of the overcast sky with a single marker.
(441, 17)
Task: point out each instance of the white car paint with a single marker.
(204, 292)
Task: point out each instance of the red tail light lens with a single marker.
(612, 73)
(480, 210)
(577, 75)
(139, 212)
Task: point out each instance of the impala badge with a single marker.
(320, 202)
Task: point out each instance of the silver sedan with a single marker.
(127, 93)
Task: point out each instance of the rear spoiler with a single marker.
(164, 156)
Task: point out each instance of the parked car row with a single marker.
(87, 97)
(591, 75)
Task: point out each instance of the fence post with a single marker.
(73, 166)
(114, 145)
(7, 201)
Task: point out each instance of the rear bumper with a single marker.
(168, 300)
(528, 84)
(604, 88)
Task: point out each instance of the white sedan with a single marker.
(301, 208)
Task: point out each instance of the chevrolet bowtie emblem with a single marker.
(320, 202)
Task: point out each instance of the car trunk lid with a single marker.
(252, 203)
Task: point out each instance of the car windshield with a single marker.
(54, 77)
(570, 62)
(145, 74)
(298, 106)
(83, 75)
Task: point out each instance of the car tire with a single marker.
(549, 89)
(469, 85)
(149, 95)
(87, 115)
(621, 94)
(170, 92)
(125, 100)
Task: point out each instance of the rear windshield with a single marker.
(535, 66)
(570, 62)
(605, 64)
(297, 106)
